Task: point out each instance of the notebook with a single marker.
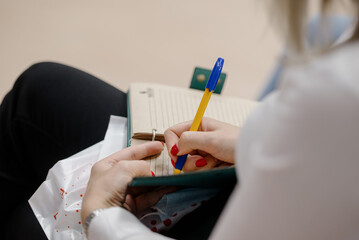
(152, 108)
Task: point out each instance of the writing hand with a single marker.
(211, 146)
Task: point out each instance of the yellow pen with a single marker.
(211, 85)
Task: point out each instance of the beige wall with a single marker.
(140, 40)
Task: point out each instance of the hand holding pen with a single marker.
(202, 141)
(213, 145)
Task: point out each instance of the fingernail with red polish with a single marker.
(153, 174)
(174, 150)
(201, 162)
(173, 163)
(162, 143)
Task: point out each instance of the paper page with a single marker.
(155, 106)
(160, 165)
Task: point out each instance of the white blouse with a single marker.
(297, 160)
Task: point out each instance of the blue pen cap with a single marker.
(216, 72)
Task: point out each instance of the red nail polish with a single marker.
(162, 143)
(153, 174)
(201, 162)
(173, 163)
(174, 150)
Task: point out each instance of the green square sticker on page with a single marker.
(201, 76)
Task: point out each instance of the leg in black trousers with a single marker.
(52, 112)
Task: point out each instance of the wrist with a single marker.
(89, 218)
(90, 203)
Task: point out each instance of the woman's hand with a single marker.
(211, 146)
(110, 177)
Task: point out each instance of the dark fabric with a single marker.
(199, 224)
(52, 112)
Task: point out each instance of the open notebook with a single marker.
(153, 108)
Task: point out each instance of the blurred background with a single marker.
(141, 40)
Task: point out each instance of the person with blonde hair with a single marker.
(297, 154)
(296, 157)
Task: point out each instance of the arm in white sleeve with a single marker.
(298, 163)
(118, 223)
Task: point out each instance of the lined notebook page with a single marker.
(159, 164)
(155, 106)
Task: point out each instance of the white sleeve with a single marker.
(118, 223)
(298, 165)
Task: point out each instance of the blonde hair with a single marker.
(292, 17)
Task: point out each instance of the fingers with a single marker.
(173, 133)
(172, 136)
(120, 174)
(224, 164)
(215, 138)
(207, 124)
(132, 168)
(197, 162)
(148, 199)
(136, 152)
(136, 199)
(178, 129)
(107, 186)
(203, 141)
(180, 141)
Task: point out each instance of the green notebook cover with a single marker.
(213, 178)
